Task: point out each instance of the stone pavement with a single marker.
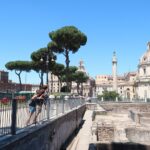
(83, 138)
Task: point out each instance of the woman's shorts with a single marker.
(32, 109)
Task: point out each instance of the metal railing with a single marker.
(14, 113)
(5, 117)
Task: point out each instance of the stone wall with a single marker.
(125, 107)
(147, 114)
(138, 135)
(105, 133)
(49, 136)
(145, 121)
(91, 106)
(134, 116)
(140, 117)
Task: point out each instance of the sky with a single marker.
(110, 25)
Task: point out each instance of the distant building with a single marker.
(143, 76)
(54, 84)
(88, 87)
(35, 87)
(3, 77)
(7, 85)
(132, 85)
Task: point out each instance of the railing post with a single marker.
(48, 108)
(13, 116)
(116, 99)
(63, 105)
(56, 101)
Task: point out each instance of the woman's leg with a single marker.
(27, 122)
(39, 109)
(31, 111)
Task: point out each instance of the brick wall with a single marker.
(105, 133)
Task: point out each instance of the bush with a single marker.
(109, 95)
(4, 100)
(20, 98)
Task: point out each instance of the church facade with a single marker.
(142, 83)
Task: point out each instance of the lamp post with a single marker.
(47, 69)
(47, 80)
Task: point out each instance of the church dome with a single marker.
(146, 57)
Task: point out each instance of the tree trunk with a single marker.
(60, 84)
(19, 76)
(51, 82)
(20, 82)
(41, 78)
(70, 86)
(81, 89)
(78, 88)
(67, 69)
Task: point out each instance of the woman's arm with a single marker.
(41, 97)
(34, 96)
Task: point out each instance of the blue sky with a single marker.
(120, 25)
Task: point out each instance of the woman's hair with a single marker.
(40, 92)
(44, 87)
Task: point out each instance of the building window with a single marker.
(144, 70)
(144, 58)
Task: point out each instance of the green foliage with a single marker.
(19, 65)
(64, 40)
(38, 66)
(71, 75)
(37, 55)
(42, 53)
(68, 37)
(58, 69)
(65, 89)
(72, 69)
(54, 47)
(80, 77)
(109, 95)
